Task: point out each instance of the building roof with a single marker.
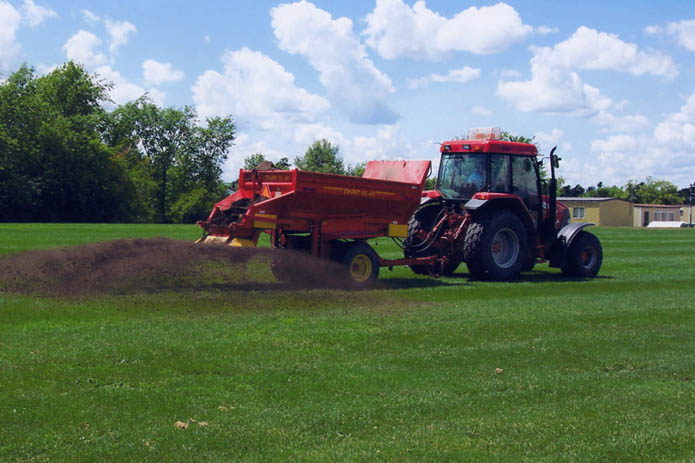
(588, 199)
(662, 206)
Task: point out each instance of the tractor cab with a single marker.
(485, 164)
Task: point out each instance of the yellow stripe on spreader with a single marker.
(242, 243)
(264, 225)
(398, 231)
(266, 216)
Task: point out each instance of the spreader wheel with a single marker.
(281, 266)
(362, 265)
(584, 256)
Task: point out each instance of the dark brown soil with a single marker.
(150, 265)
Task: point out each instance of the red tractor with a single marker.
(487, 210)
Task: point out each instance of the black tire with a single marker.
(362, 265)
(584, 256)
(425, 218)
(496, 246)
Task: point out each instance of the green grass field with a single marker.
(417, 369)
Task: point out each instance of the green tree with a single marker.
(53, 165)
(653, 191)
(357, 170)
(253, 161)
(176, 161)
(322, 156)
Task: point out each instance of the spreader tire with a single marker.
(281, 266)
(362, 265)
(495, 246)
(584, 256)
(424, 219)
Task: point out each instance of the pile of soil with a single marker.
(138, 265)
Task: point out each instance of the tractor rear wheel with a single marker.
(496, 246)
(362, 265)
(423, 220)
(584, 256)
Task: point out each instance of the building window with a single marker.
(577, 212)
(664, 216)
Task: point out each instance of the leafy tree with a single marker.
(506, 136)
(282, 164)
(53, 165)
(322, 156)
(171, 156)
(253, 161)
(653, 191)
(357, 170)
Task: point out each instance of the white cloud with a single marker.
(90, 17)
(156, 73)
(555, 87)
(545, 30)
(547, 140)
(459, 76)
(677, 130)
(9, 22)
(683, 32)
(45, 69)
(352, 81)
(609, 122)
(118, 32)
(207, 39)
(256, 88)
(592, 50)
(81, 47)
(554, 91)
(397, 30)
(124, 90)
(481, 111)
(34, 14)
(668, 152)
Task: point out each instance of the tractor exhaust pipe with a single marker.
(552, 206)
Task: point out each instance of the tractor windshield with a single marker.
(461, 175)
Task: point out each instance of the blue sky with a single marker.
(612, 84)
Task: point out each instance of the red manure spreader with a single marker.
(487, 210)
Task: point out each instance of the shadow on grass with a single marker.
(534, 277)
(414, 283)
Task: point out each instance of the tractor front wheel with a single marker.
(362, 265)
(496, 246)
(584, 256)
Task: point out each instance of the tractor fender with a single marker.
(567, 233)
(564, 240)
(501, 201)
(474, 204)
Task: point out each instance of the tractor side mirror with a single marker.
(555, 160)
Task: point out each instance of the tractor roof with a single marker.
(489, 146)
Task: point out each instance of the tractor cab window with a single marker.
(500, 182)
(462, 175)
(525, 180)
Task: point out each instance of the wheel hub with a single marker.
(360, 268)
(505, 247)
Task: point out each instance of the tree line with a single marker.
(649, 191)
(64, 158)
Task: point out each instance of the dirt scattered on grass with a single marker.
(147, 265)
